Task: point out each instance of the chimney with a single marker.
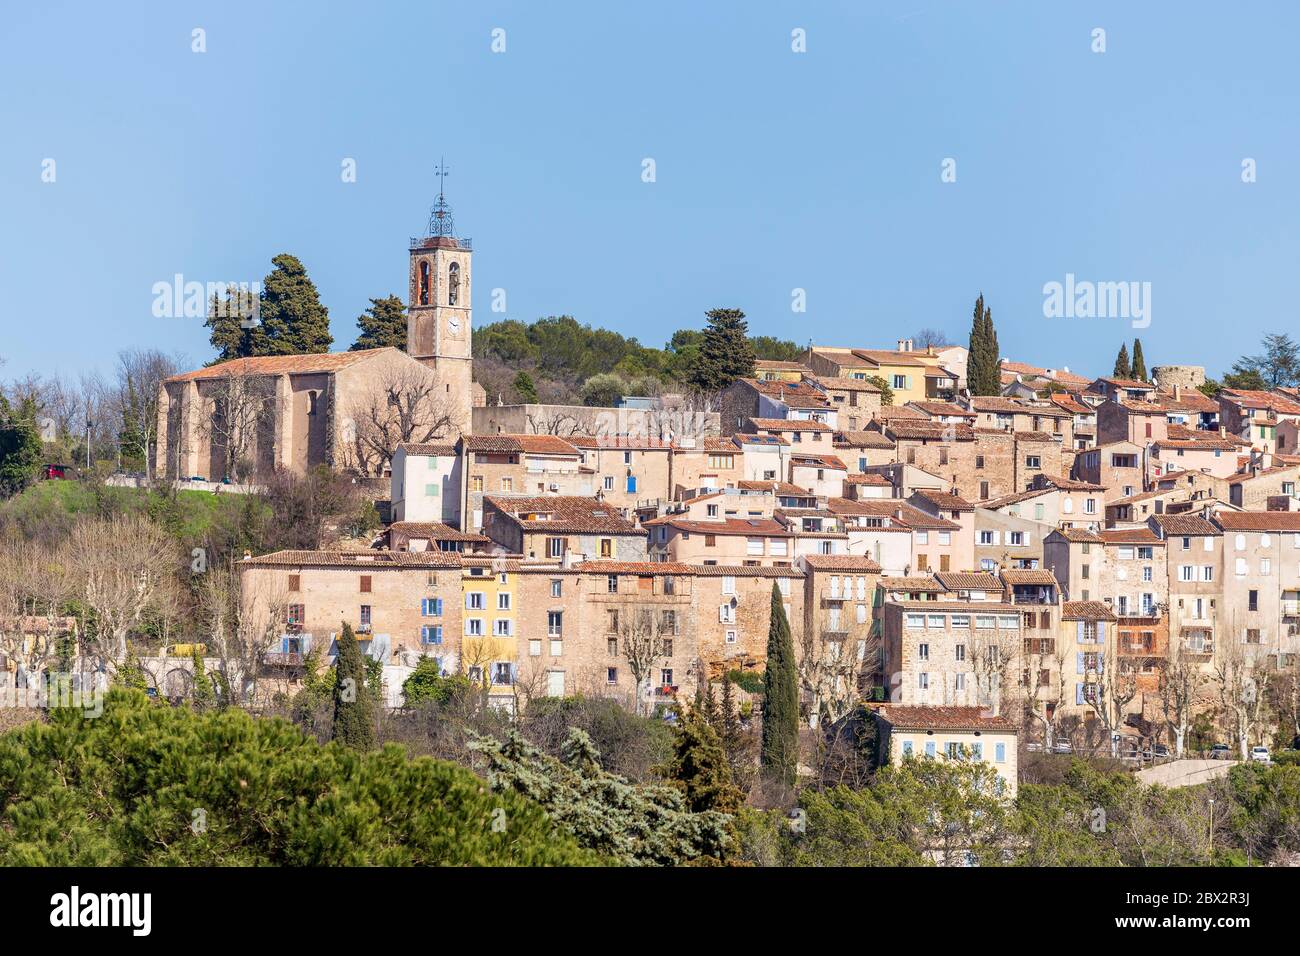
(902, 345)
(909, 345)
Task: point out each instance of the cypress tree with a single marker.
(293, 320)
(976, 350)
(234, 334)
(1122, 367)
(204, 697)
(780, 747)
(1139, 361)
(383, 324)
(710, 708)
(699, 767)
(354, 723)
(983, 375)
(726, 353)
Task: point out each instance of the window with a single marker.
(922, 652)
(726, 614)
(503, 627)
(453, 283)
(1265, 566)
(611, 675)
(554, 623)
(503, 600)
(666, 677)
(915, 620)
(1252, 600)
(960, 620)
(923, 681)
(959, 682)
(988, 537)
(534, 647)
(611, 583)
(959, 652)
(431, 607)
(609, 482)
(365, 583)
(999, 753)
(907, 748)
(431, 634)
(1033, 461)
(557, 588)
(475, 600)
(923, 537)
(555, 547)
(979, 461)
(728, 585)
(1207, 572)
(1185, 572)
(1016, 537)
(936, 621)
(731, 637)
(473, 627)
(295, 614)
(295, 581)
(929, 748)
(900, 381)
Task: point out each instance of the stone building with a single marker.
(248, 417)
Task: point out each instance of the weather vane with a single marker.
(440, 221)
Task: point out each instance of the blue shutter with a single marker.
(1080, 632)
(1078, 669)
(1000, 753)
(1101, 631)
(1078, 694)
(929, 748)
(1101, 662)
(631, 483)
(437, 607)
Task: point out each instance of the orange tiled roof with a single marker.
(279, 365)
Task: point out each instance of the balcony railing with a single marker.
(1291, 608)
(433, 242)
(284, 658)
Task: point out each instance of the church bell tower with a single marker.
(438, 314)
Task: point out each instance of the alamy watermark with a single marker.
(179, 299)
(58, 689)
(1082, 299)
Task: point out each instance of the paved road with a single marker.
(1186, 773)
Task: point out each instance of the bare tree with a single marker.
(1044, 684)
(140, 374)
(1114, 688)
(642, 645)
(1241, 684)
(241, 404)
(832, 670)
(1182, 683)
(240, 624)
(407, 404)
(926, 337)
(123, 570)
(994, 652)
(33, 632)
(563, 423)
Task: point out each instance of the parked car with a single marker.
(1220, 752)
(1260, 754)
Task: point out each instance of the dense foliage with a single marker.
(148, 784)
(634, 825)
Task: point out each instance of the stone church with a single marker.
(245, 418)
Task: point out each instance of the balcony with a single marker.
(1290, 608)
(283, 658)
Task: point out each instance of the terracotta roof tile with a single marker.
(944, 718)
(280, 365)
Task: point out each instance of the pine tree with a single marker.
(525, 387)
(293, 320)
(354, 723)
(1139, 362)
(700, 769)
(780, 748)
(1122, 367)
(726, 353)
(382, 325)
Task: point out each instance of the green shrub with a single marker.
(146, 784)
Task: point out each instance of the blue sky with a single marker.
(774, 170)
